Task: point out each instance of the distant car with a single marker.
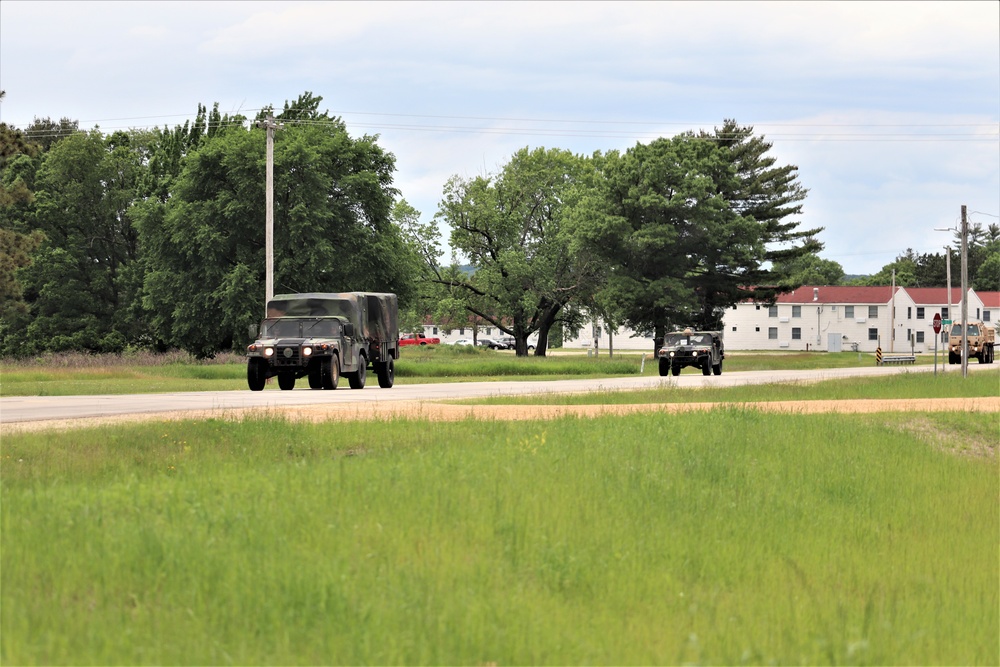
(507, 342)
(418, 339)
(463, 341)
(492, 344)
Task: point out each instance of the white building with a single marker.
(845, 318)
(829, 318)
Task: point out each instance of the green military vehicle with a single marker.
(322, 336)
(701, 349)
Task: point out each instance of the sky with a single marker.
(890, 111)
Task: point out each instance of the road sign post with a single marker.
(937, 334)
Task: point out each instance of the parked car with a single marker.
(492, 344)
(506, 341)
(463, 341)
(418, 339)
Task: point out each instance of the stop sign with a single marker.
(937, 323)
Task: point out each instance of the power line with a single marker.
(910, 137)
(575, 128)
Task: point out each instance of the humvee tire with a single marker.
(331, 372)
(386, 371)
(286, 381)
(316, 374)
(256, 374)
(357, 379)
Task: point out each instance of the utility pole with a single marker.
(951, 314)
(965, 294)
(892, 314)
(270, 126)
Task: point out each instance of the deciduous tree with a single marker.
(510, 227)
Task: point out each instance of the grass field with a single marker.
(729, 537)
(75, 374)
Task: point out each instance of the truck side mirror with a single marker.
(252, 330)
(349, 330)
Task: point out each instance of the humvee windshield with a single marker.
(288, 327)
(682, 339)
(973, 330)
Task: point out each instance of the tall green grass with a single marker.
(730, 537)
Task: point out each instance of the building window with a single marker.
(757, 307)
(757, 329)
(796, 311)
(920, 336)
(734, 328)
(920, 313)
(873, 311)
(435, 331)
(873, 334)
(796, 333)
(848, 312)
(909, 313)
(944, 313)
(833, 308)
(772, 311)
(986, 316)
(772, 333)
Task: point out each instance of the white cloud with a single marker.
(671, 65)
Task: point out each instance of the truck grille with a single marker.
(287, 355)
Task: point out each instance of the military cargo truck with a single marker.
(981, 338)
(323, 336)
(701, 349)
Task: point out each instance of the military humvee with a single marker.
(701, 349)
(323, 336)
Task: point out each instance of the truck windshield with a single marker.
(289, 327)
(973, 330)
(682, 339)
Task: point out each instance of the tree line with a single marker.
(154, 239)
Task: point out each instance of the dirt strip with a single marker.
(451, 412)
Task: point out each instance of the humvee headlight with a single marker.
(306, 351)
(268, 351)
(672, 353)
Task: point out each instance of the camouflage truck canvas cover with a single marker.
(374, 314)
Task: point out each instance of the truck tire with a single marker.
(316, 373)
(706, 368)
(386, 374)
(286, 381)
(330, 372)
(675, 369)
(256, 374)
(664, 367)
(717, 369)
(357, 378)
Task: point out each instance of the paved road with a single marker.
(42, 408)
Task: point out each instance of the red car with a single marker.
(418, 339)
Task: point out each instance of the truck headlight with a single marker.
(306, 351)
(268, 351)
